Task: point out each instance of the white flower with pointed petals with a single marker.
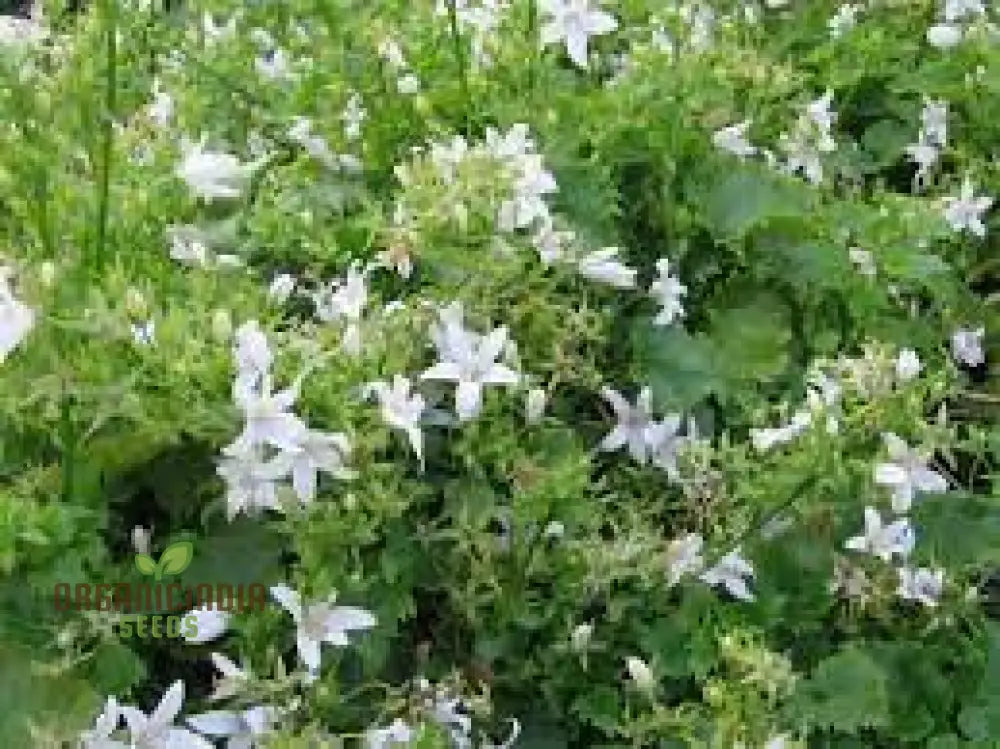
(99, 737)
(469, 360)
(345, 300)
(252, 354)
(733, 139)
(574, 22)
(188, 245)
(967, 347)
(233, 678)
(965, 213)
(211, 623)
(633, 424)
(668, 291)
(268, 418)
(881, 540)
(251, 481)
(843, 21)
(16, 318)
(315, 452)
(641, 674)
(320, 622)
(157, 730)
(242, 729)
(394, 736)
(281, 288)
(604, 266)
(665, 442)
(921, 584)
(906, 473)
(944, 35)
(401, 409)
(934, 122)
(732, 573)
(684, 557)
(213, 174)
(958, 10)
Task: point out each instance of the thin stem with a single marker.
(463, 77)
(107, 125)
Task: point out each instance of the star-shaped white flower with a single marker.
(212, 175)
(668, 291)
(965, 213)
(157, 730)
(242, 729)
(732, 573)
(881, 540)
(906, 473)
(574, 22)
(233, 680)
(633, 424)
(210, 623)
(469, 360)
(315, 452)
(16, 318)
(604, 266)
(908, 365)
(99, 737)
(320, 622)
(345, 300)
(251, 480)
(733, 139)
(921, 584)
(665, 442)
(967, 346)
(394, 736)
(268, 420)
(401, 409)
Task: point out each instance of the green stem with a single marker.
(107, 132)
(533, 43)
(463, 77)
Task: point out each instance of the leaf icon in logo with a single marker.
(145, 564)
(175, 559)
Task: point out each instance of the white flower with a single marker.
(300, 132)
(732, 573)
(906, 473)
(251, 481)
(883, 541)
(240, 729)
(733, 139)
(469, 360)
(957, 10)
(810, 139)
(934, 122)
(551, 244)
(925, 156)
(99, 737)
(144, 334)
(633, 424)
(580, 637)
(668, 291)
(764, 439)
(354, 115)
(213, 174)
(401, 409)
(922, 584)
(944, 35)
(390, 51)
(684, 557)
(157, 730)
(967, 346)
(16, 318)
(274, 65)
(268, 420)
(214, 32)
(211, 623)
(603, 266)
(188, 245)
(965, 213)
(345, 300)
(574, 22)
(252, 354)
(315, 452)
(534, 407)
(320, 622)
(664, 441)
(843, 21)
(863, 260)
(908, 365)
(233, 678)
(396, 735)
(408, 84)
(640, 674)
(281, 287)
(140, 539)
(161, 109)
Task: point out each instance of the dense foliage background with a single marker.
(820, 340)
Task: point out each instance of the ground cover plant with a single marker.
(499, 373)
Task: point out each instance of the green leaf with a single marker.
(115, 669)
(176, 558)
(846, 692)
(972, 518)
(752, 340)
(680, 368)
(749, 196)
(145, 564)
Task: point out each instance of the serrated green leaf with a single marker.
(847, 691)
(748, 196)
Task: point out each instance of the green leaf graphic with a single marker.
(145, 564)
(176, 558)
